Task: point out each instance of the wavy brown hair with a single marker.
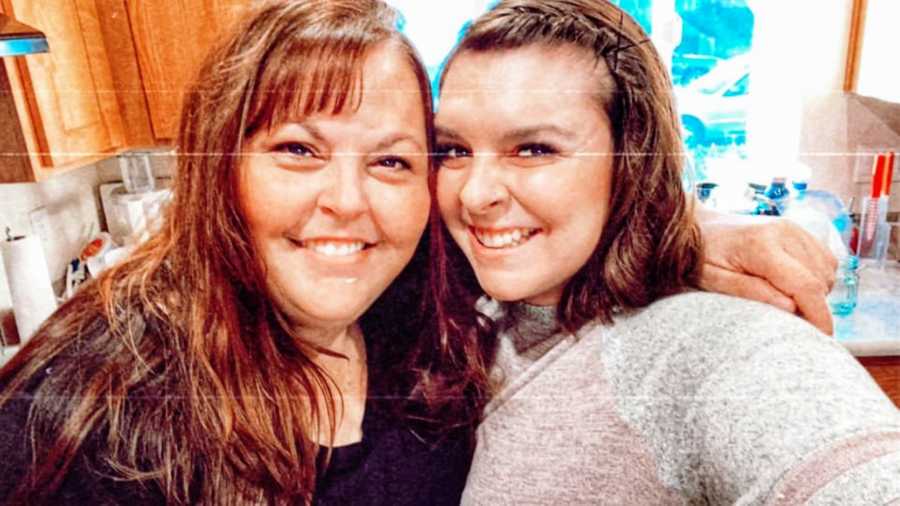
(176, 371)
(650, 246)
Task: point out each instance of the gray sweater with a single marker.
(697, 399)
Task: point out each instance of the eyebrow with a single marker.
(310, 129)
(384, 144)
(513, 135)
(446, 132)
(397, 138)
(532, 131)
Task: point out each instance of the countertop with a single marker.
(873, 329)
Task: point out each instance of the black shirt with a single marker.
(391, 465)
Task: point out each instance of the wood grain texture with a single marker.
(68, 92)
(29, 117)
(126, 74)
(854, 45)
(172, 38)
(886, 371)
(15, 166)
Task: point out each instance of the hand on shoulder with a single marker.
(772, 261)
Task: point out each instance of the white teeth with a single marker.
(335, 249)
(506, 239)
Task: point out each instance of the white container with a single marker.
(137, 173)
(29, 283)
(132, 217)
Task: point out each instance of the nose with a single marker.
(484, 190)
(343, 196)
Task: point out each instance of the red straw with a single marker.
(877, 175)
(888, 174)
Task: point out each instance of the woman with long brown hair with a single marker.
(281, 340)
(227, 361)
(567, 228)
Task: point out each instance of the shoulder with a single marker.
(696, 339)
(700, 319)
(735, 391)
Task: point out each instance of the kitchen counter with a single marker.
(873, 329)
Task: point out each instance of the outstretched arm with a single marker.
(770, 260)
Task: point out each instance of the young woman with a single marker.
(222, 361)
(269, 346)
(562, 194)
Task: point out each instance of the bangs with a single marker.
(327, 78)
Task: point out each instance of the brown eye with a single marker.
(451, 155)
(534, 150)
(395, 163)
(296, 149)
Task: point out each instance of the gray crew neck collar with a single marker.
(532, 324)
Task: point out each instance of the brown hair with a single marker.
(650, 245)
(178, 372)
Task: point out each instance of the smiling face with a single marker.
(336, 204)
(526, 174)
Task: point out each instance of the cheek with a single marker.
(573, 199)
(592, 202)
(448, 188)
(402, 213)
(274, 201)
(252, 193)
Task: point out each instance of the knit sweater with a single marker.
(696, 399)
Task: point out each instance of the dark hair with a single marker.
(177, 369)
(650, 245)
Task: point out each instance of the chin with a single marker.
(339, 309)
(509, 289)
(504, 290)
(329, 311)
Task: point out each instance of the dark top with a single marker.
(391, 465)
(394, 466)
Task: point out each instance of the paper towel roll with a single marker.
(29, 283)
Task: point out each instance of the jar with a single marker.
(842, 298)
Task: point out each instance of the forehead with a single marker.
(538, 81)
(388, 76)
(381, 82)
(390, 100)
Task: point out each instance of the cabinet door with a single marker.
(171, 38)
(68, 93)
(886, 372)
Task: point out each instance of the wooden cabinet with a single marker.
(886, 372)
(113, 78)
(171, 39)
(64, 101)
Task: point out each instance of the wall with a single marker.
(839, 133)
(74, 214)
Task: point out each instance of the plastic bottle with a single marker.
(805, 201)
(824, 216)
(778, 193)
(844, 293)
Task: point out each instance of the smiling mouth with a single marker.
(503, 239)
(333, 248)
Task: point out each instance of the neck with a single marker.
(338, 341)
(341, 353)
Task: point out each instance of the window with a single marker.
(878, 73)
